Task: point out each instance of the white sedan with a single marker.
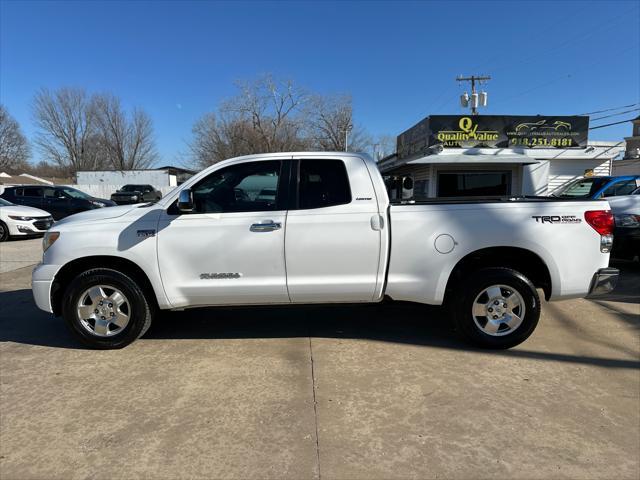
(16, 220)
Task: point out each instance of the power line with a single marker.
(576, 40)
(610, 109)
(616, 114)
(614, 123)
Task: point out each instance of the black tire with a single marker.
(4, 232)
(142, 309)
(463, 298)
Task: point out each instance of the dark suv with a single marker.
(136, 194)
(60, 202)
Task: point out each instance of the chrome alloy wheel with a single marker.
(103, 310)
(498, 310)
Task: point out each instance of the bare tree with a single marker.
(274, 111)
(382, 146)
(269, 115)
(14, 149)
(126, 143)
(44, 169)
(266, 116)
(67, 128)
(331, 127)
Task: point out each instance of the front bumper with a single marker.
(604, 281)
(41, 281)
(126, 200)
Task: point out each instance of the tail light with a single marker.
(600, 220)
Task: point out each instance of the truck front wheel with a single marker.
(106, 309)
(496, 308)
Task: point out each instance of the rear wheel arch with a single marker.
(521, 260)
(74, 268)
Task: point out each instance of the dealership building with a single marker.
(495, 155)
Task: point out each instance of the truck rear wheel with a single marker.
(106, 309)
(496, 308)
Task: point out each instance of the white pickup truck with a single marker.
(300, 228)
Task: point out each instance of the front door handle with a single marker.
(266, 226)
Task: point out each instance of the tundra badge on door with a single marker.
(215, 276)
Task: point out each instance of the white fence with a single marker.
(105, 191)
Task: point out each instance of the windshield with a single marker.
(4, 203)
(131, 188)
(581, 188)
(73, 193)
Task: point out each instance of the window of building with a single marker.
(323, 183)
(247, 187)
(474, 184)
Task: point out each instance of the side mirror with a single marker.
(407, 183)
(185, 201)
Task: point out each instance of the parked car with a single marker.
(136, 194)
(109, 271)
(626, 236)
(18, 221)
(57, 200)
(598, 187)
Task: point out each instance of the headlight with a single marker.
(98, 204)
(22, 219)
(49, 239)
(627, 220)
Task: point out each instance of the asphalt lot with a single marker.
(332, 392)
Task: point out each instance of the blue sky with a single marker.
(177, 60)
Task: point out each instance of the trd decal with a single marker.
(146, 233)
(216, 276)
(557, 219)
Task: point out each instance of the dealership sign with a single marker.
(493, 131)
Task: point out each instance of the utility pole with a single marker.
(347, 129)
(474, 100)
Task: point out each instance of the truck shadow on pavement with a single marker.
(397, 322)
(628, 288)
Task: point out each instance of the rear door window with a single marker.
(33, 192)
(323, 183)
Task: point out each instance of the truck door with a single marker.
(230, 250)
(333, 235)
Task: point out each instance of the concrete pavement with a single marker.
(19, 253)
(322, 392)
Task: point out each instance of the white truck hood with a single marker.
(20, 211)
(104, 213)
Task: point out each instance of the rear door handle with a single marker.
(266, 226)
